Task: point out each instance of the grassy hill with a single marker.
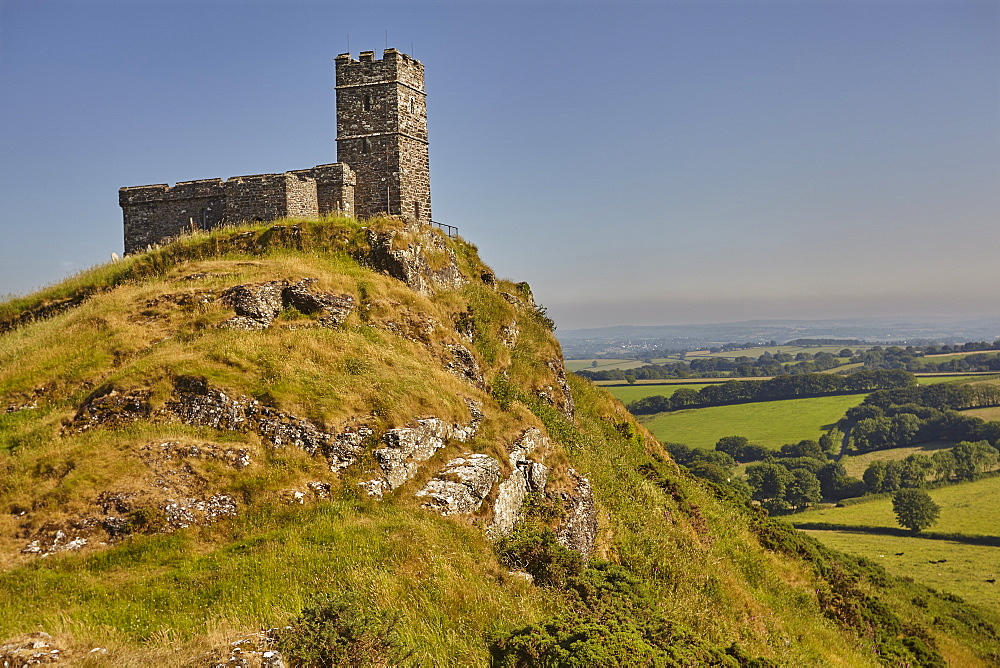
(355, 431)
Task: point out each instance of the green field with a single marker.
(857, 464)
(770, 423)
(965, 571)
(991, 378)
(988, 414)
(627, 393)
(971, 508)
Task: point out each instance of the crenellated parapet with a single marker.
(159, 212)
(382, 167)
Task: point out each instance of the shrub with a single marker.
(333, 630)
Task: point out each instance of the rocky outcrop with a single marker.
(411, 263)
(53, 537)
(112, 407)
(559, 372)
(257, 305)
(198, 404)
(184, 512)
(35, 649)
(579, 527)
(462, 485)
(407, 447)
(527, 475)
(464, 365)
(332, 309)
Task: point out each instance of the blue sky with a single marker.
(636, 162)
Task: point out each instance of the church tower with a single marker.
(382, 133)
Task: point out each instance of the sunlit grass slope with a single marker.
(715, 567)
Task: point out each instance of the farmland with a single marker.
(969, 509)
(964, 570)
(627, 393)
(856, 465)
(769, 423)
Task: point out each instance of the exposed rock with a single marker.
(407, 447)
(111, 407)
(252, 651)
(527, 476)
(27, 401)
(579, 528)
(32, 649)
(255, 305)
(199, 404)
(62, 537)
(237, 458)
(332, 309)
(509, 334)
(410, 264)
(315, 492)
(461, 486)
(321, 490)
(187, 512)
(559, 371)
(464, 365)
(489, 280)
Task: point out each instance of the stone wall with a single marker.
(156, 213)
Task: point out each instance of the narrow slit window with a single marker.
(367, 103)
(416, 209)
(365, 146)
(413, 105)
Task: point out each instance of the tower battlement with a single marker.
(382, 166)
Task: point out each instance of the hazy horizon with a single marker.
(636, 162)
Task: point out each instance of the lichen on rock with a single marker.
(462, 485)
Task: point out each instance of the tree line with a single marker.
(779, 387)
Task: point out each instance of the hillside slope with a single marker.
(330, 434)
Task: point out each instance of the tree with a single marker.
(973, 458)
(769, 482)
(732, 445)
(914, 509)
(802, 489)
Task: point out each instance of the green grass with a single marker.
(857, 464)
(770, 423)
(988, 414)
(257, 571)
(971, 508)
(627, 393)
(959, 378)
(965, 571)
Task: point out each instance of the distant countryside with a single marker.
(825, 435)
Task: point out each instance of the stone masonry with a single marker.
(383, 165)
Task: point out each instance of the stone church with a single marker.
(382, 165)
